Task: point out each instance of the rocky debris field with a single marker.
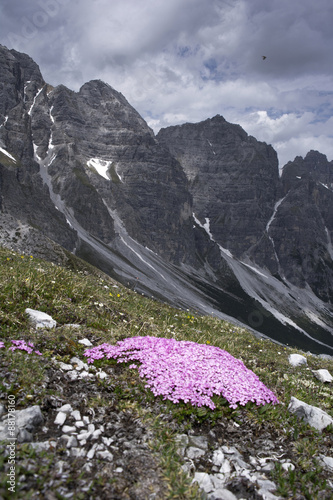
(77, 445)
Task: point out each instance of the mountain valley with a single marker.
(197, 216)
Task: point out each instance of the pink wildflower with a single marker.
(183, 370)
(23, 346)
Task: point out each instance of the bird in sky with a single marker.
(264, 57)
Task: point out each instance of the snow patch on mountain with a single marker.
(34, 101)
(101, 167)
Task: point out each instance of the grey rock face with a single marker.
(233, 178)
(88, 154)
(22, 425)
(302, 229)
(282, 224)
(22, 193)
(101, 157)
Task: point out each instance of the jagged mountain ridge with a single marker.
(201, 226)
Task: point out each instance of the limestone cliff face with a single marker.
(103, 159)
(22, 192)
(302, 229)
(233, 179)
(283, 225)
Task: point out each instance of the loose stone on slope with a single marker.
(65, 366)
(85, 342)
(67, 408)
(193, 452)
(204, 481)
(323, 375)
(297, 360)
(222, 494)
(40, 319)
(60, 418)
(314, 416)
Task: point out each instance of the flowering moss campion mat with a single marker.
(183, 370)
(22, 346)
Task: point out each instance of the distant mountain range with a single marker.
(197, 216)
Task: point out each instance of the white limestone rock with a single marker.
(323, 375)
(297, 360)
(105, 455)
(67, 408)
(101, 374)
(225, 470)
(198, 442)
(314, 416)
(85, 342)
(204, 481)
(288, 466)
(72, 442)
(60, 418)
(328, 462)
(77, 452)
(76, 414)
(223, 494)
(68, 429)
(92, 451)
(80, 365)
(73, 375)
(40, 319)
(194, 453)
(218, 457)
(64, 366)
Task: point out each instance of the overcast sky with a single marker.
(182, 61)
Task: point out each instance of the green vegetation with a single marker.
(106, 312)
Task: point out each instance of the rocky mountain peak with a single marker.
(233, 178)
(314, 166)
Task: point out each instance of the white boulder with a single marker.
(40, 319)
(314, 416)
(297, 360)
(85, 342)
(323, 375)
(328, 462)
(204, 481)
